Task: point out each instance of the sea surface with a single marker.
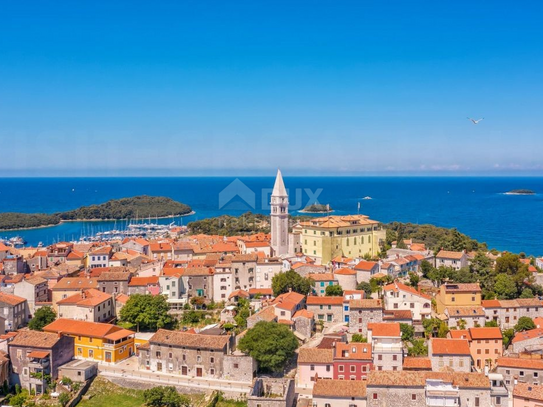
(476, 206)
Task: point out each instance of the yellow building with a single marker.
(350, 236)
(96, 341)
(458, 295)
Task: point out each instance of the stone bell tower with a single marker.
(279, 217)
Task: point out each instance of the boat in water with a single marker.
(366, 198)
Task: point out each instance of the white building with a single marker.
(399, 296)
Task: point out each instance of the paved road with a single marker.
(172, 380)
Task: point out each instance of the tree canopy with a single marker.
(334, 291)
(282, 282)
(524, 324)
(147, 312)
(163, 396)
(270, 344)
(42, 317)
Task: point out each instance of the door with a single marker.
(184, 370)
(198, 372)
(159, 366)
(108, 357)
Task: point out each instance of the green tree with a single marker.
(434, 327)
(418, 348)
(524, 324)
(243, 311)
(359, 338)
(493, 324)
(408, 332)
(283, 282)
(439, 275)
(366, 287)
(42, 317)
(270, 344)
(414, 279)
(64, 398)
(527, 293)
(504, 287)
(147, 312)
(192, 317)
(334, 291)
(508, 336)
(426, 268)
(163, 396)
(461, 324)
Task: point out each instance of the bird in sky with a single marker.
(475, 121)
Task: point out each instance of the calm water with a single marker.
(475, 206)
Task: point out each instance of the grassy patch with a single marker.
(107, 394)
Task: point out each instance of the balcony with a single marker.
(442, 402)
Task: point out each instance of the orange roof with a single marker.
(391, 329)
(87, 329)
(38, 354)
(321, 276)
(365, 303)
(160, 247)
(485, 333)
(445, 254)
(490, 303)
(75, 255)
(345, 271)
(442, 346)
(397, 286)
(419, 363)
(459, 334)
(527, 391)
(87, 298)
(526, 335)
(290, 296)
(304, 314)
(239, 293)
(365, 265)
(143, 281)
(358, 351)
(261, 291)
(122, 298)
(314, 300)
(75, 283)
(524, 363)
(11, 299)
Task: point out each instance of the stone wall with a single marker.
(239, 368)
(360, 318)
(272, 393)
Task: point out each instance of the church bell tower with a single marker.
(279, 217)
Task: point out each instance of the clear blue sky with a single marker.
(230, 87)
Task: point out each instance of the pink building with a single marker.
(314, 363)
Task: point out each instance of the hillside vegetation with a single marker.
(434, 237)
(125, 208)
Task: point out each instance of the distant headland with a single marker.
(317, 208)
(520, 192)
(116, 209)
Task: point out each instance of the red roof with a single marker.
(389, 329)
(365, 265)
(314, 300)
(442, 346)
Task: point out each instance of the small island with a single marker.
(117, 209)
(317, 208)
(520, 192)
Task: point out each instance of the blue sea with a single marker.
(476, 206)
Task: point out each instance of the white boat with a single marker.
(367, 198)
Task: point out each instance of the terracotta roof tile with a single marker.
(177, 338)
(389, 329)
(315, 355)
(528, 391)
(441, 346)
(340, 388)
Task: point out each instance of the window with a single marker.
(379, 357)
(327, 368)
(477, 402)
(413, 396)
(341, 368)
(374, 396)
(236, 365)
(312, 367)
(353, 369)
(212, 371)
(211, 360)
(394, 357)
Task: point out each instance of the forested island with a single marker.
(520, 192)
(317, 208)
(126, 208)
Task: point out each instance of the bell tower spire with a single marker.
(279, 217)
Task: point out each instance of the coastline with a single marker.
(92, 220)
(317, 212)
